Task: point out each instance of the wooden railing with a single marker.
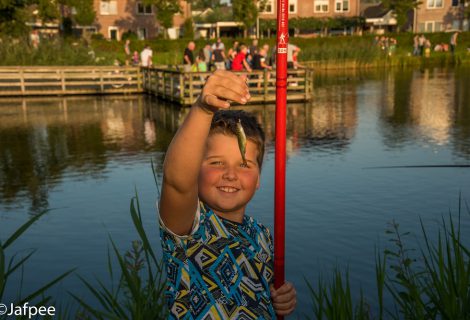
(27, 81)
(185, 87)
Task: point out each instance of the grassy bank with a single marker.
(329, 52)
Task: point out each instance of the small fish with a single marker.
(241, 137)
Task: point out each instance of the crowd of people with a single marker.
(387, 44)
(237, 58)
(216, 56)
(422, 46)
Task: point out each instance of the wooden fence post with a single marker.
(62, 80)
(22, 85)
(101, 81)
(181, 88)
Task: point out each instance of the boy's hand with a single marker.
(221, 88)
(284, 299)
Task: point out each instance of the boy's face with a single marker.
(225, 184)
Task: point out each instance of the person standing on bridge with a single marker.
(146, 56)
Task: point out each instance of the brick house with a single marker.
(314, 8)
(115, 17)
(440, 15)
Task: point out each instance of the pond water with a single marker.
(84, 157)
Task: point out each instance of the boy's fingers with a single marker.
(286, 287)
(231, 79)
(285, 312)
(212, 100)
(286, 306)
(285, 297)
(227, 94)
(230, 83)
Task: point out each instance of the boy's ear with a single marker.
(258, 182)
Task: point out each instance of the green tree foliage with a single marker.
(312, 24)
(401, 9)
(204, 4)
(48, 10)
(246, 12)
(85, 13)
(165, 10)
(467, 9)
(13, 16)
(188, 28)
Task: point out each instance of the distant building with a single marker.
(115, 17)
(314, 8)
(440, 15)
(378, 19)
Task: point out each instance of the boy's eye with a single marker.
(244, 165)
(216, 163)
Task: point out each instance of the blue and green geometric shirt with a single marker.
(222, 270)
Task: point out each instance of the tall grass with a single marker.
(430, 283)
(354, 51)
(57, 52)
(13, 264)
(140, 290)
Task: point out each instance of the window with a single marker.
(455, 3)
(292, 6)
(342, 5)
(268, 7)
(320, 5)
(421, 27)
(142, 33)
(144, 9)
(113, 33)
(108, 7)
(432, 4)
(432, 26)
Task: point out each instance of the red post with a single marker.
(280, 152)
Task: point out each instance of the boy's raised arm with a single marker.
(185, 154)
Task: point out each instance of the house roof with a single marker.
(374, 11)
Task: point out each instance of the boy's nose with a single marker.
(230, 174)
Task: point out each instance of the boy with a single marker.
(218, 261)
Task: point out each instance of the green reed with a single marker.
(430, 283)
(140, 290)
(140, 277)
(13, 264)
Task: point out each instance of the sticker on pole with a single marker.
(282, 47)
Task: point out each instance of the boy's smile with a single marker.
(225, 184)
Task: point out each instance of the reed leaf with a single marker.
(3, 275)
(44, 288)
(22, 229)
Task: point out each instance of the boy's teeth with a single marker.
(228, 189)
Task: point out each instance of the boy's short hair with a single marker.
(225, 122)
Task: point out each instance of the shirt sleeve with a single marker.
(194, 228)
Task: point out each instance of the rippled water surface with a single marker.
(84, 157)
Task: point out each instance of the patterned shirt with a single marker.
(222, 270)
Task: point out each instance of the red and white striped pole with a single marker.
(280, 151)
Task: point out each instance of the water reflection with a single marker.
(429, 106)
(44, 139)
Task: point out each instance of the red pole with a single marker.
(280, 151)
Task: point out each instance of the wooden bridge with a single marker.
(185, 87)
(169, 84)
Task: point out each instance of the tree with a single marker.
(13, 17)
(85, 13)
(48, 10)
(204, 4)
(401, 9)
(246, 12)
(166, 9)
